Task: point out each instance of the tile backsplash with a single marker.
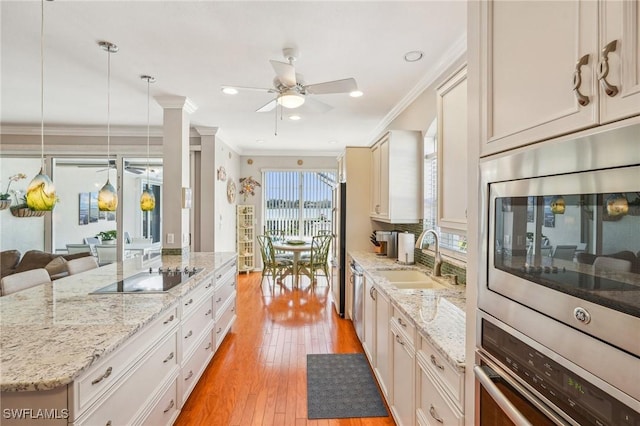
(427, 260)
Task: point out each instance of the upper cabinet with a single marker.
(452, 152)
(548, 71)
(396, 161)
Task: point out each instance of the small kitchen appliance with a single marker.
(389, 243)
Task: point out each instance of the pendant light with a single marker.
(41, 193)
(108, 197)
(147, 199)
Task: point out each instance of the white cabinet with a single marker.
(369, 317)
(544, 65)
(403, 376)
(452, 152)
(439, 388)
(396, 165)
(382, 344)
(245, 222)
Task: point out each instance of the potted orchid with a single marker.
(5, 197)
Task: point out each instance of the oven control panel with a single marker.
(575, 396)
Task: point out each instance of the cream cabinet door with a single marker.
(382, 346)
(452, 152)
(531, 53)
(620, 89)
(369, 319)
(403, 376)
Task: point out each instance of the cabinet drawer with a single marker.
(434, 409)
(125, 400)
(451, 380)
(194, 366)
(192, 299)
(406, 327)
(225, 271)
(224, 291)
(195, 324)
(165, 411)
(105, 373)
(225, 320)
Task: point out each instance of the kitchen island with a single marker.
(71, 352)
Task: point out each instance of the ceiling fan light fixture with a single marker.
(290, 99)
(229, 90)
(356, 94)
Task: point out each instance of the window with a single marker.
(298, 203)
(456, 243)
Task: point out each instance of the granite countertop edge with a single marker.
(437, 314)
(20, 335)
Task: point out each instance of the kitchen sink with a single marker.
(409, 279)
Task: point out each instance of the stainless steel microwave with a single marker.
(560, 254)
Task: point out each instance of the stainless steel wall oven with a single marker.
(559, 292)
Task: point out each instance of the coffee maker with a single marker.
(388, 243)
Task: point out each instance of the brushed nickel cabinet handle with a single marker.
(219, 300)
(168, 320)
(371, 291)
(603, 69)
(434, 361)
(208, 347)
(208, 312)
(108, 423)
(169, 358)
(577, 81)
(434, 414)
(189, 334)
(171, 404)
(209, 285)
(399, 340)
(219, 330)
(402, 323)
(190, 301)
(190, 375)
(106, 374)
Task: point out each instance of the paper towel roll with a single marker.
(406, 243)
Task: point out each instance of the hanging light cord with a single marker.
(148, 85)
(42, 84)
(108, 111)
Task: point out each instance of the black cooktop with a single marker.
(158, 280)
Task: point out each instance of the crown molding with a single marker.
(132, 131)
(180, 102)
(457, 50)
(206, 131)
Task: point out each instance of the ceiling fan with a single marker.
(290, 88)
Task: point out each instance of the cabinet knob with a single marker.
(603, 69)
(577, 81)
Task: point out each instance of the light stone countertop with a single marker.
(51, 333)
(438, 314)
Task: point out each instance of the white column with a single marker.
(207, 188)
(175, 167)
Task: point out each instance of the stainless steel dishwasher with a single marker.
(357, 280)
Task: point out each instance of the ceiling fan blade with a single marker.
(269, 106)
(286, 73)
(257, 89)
(314, 105)
(337, 86)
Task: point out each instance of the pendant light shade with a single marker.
(41, 193)
(108, 197)
(147, 199)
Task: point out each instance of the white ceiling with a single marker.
(194, 47)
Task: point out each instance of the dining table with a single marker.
(297, 247)
(142, 249)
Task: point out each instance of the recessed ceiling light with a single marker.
(356, 94)
(294, 117)
(260, 141)
(333, 142)
(229, 90)
(413, 56)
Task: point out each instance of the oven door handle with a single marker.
(483, 375)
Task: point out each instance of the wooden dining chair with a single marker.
(318, 260)
(277, 268)
(23, 280)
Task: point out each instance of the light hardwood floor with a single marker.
(258, 375)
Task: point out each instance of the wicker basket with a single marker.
(19, 211)
(4, 204)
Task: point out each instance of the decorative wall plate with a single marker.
(231, 191)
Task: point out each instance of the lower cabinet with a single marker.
(403, 368)
(369, 319)
(382, 344)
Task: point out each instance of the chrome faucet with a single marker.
(437, 261)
